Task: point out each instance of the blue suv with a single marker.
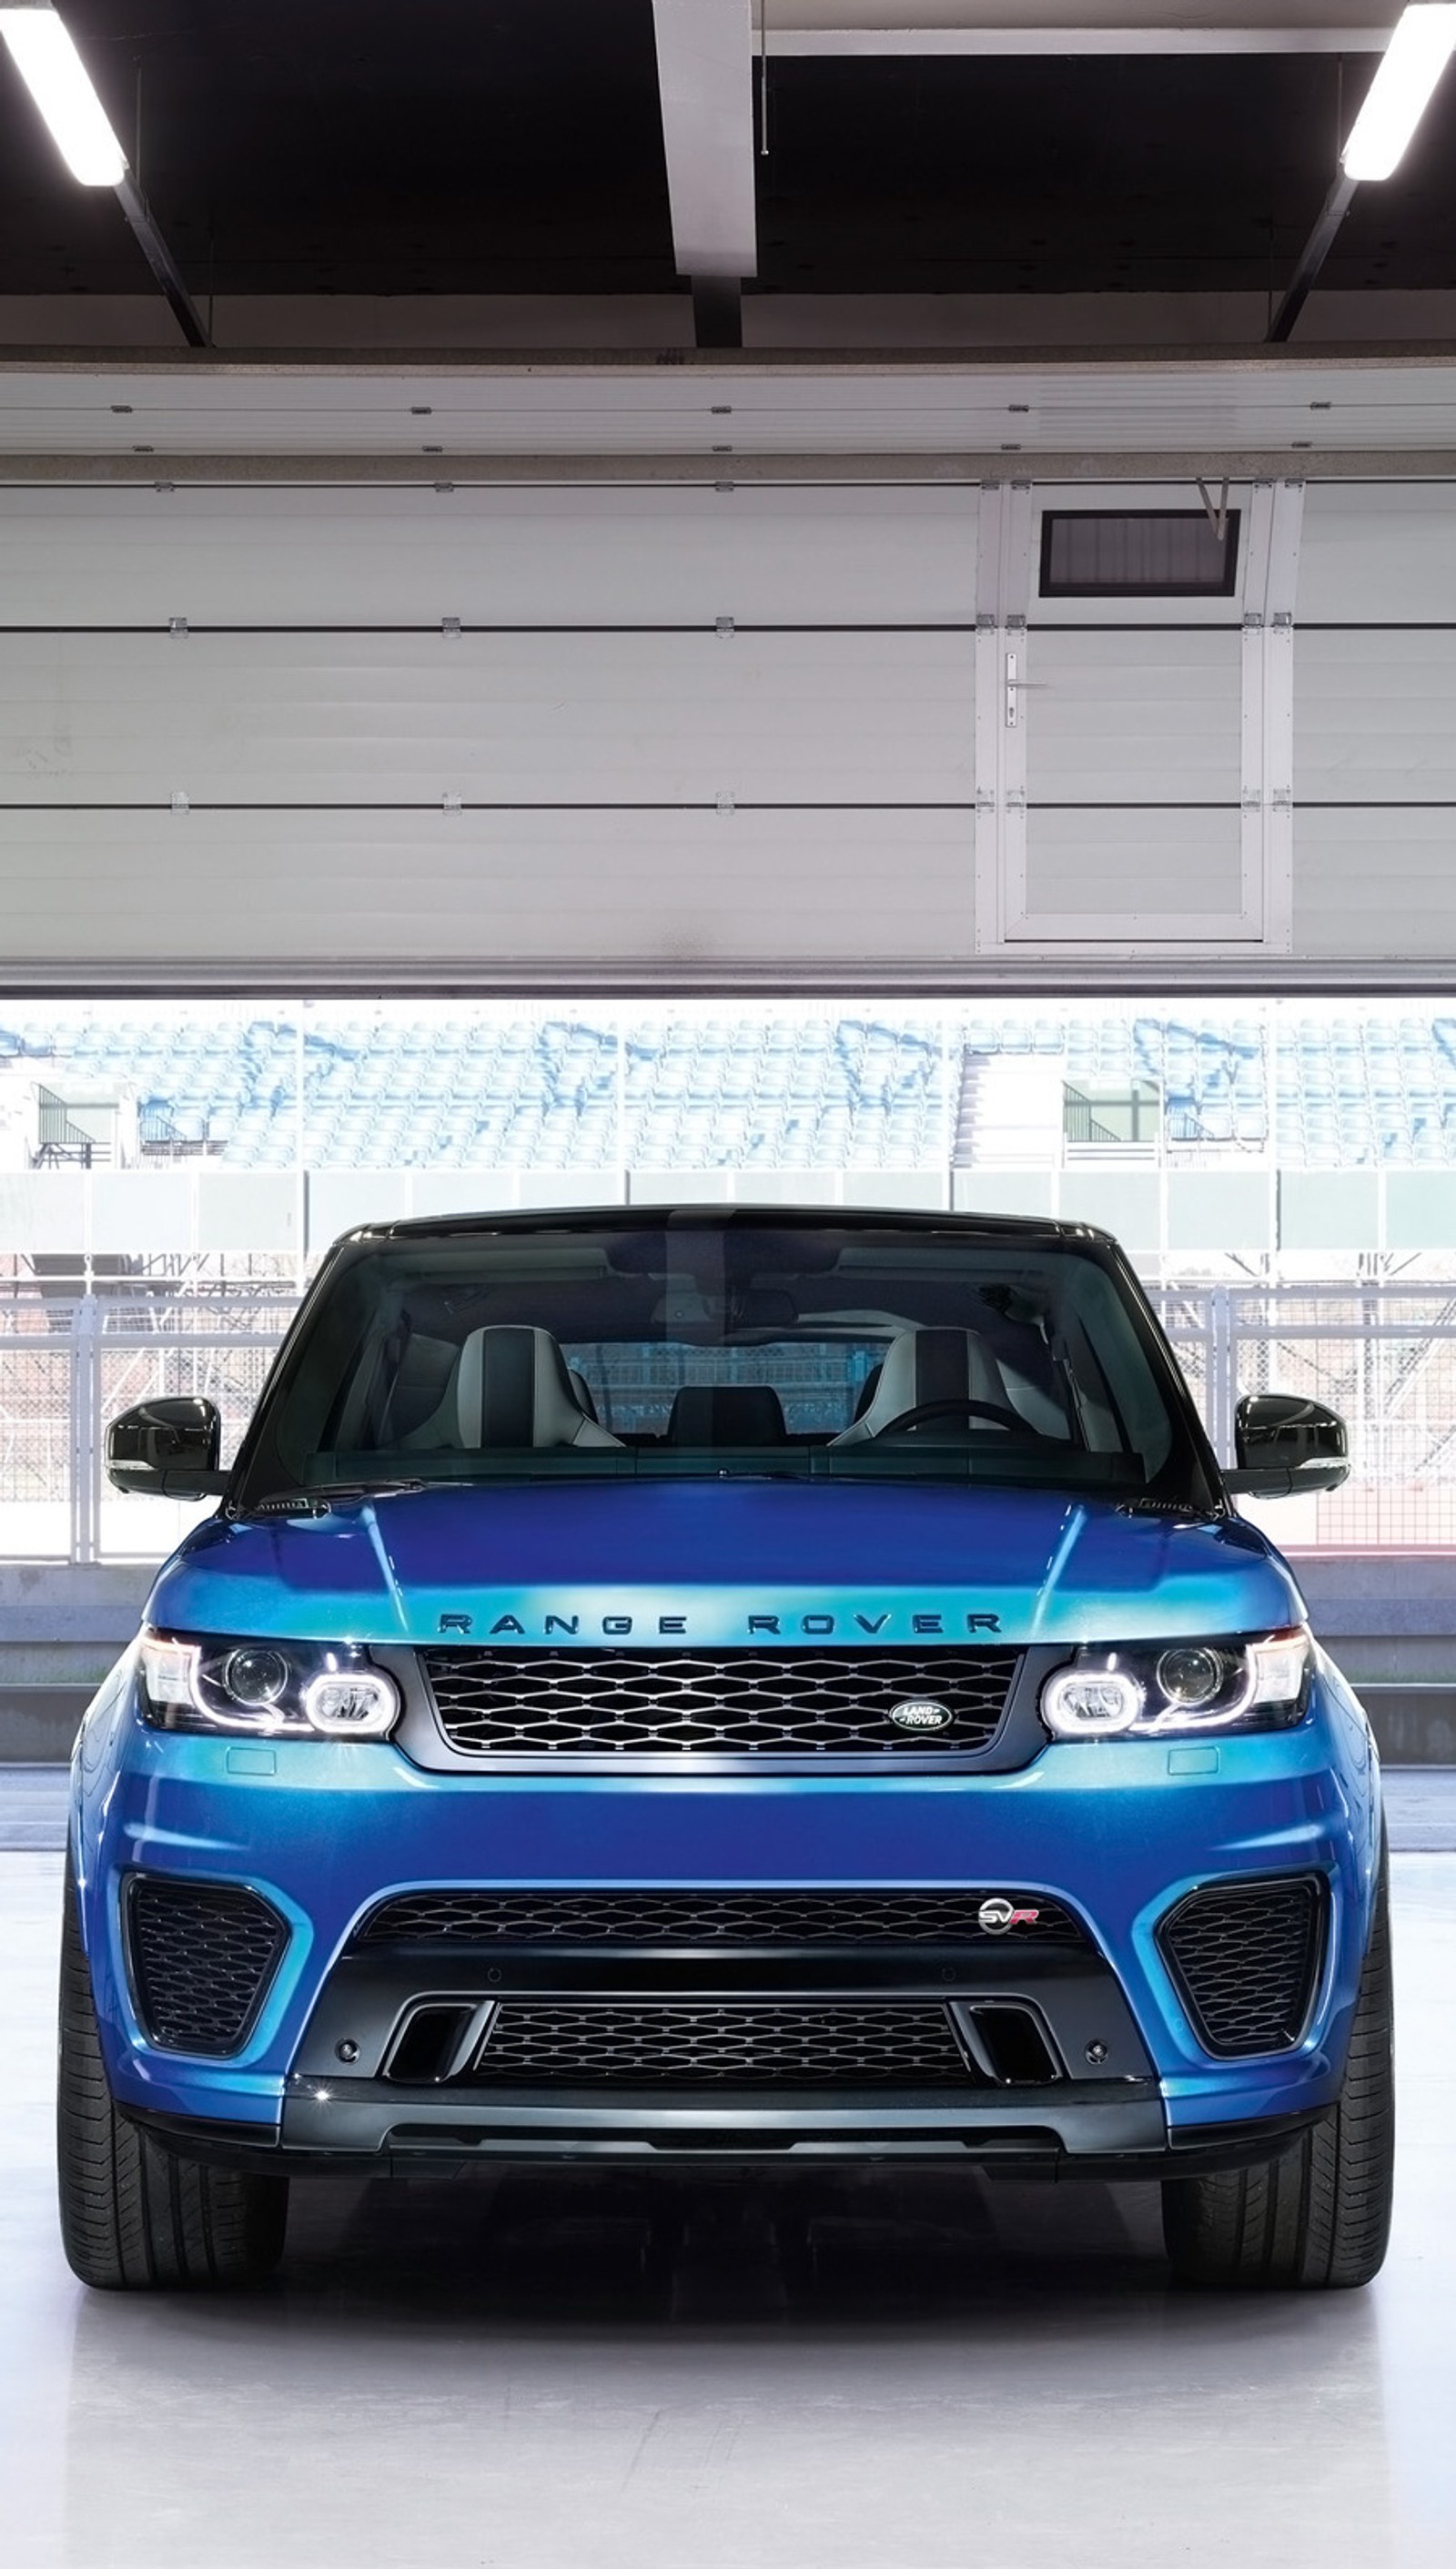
(789, 1685)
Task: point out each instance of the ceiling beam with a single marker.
(1215, 975)
(829, 28)
(1312, 256)
(821, 468)
(829, 42)
(705, 76)
(159, 259)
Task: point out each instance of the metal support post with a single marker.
(1223, 1389)
(717, 311)
(86, 1430)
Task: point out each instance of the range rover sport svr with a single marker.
(789, 1684)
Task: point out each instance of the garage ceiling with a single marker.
(304, 152)
(314, 146)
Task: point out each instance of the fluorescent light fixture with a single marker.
(58, 81)
(1412, 63)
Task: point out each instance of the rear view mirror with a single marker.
(1286, 1445)
(167, 1449)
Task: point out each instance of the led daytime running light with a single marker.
(1091, 1703)
(357, 1703)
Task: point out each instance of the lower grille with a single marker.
(722, 1919)
(204, 1955)
(728, 1702)
(1246, 1957)
(722, 2046)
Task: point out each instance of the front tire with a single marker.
(1317, 2217)
(134, 2217)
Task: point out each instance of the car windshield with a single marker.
(692, 1345)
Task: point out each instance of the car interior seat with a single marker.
(867, 1390)
(923, 1366)
(511, 1387)
(706, 1413)
(586, 1397)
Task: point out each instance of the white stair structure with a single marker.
(1009, 1114)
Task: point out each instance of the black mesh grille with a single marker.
(723, 2047)
(720, 1917)
(786, 1702)
(1246, 1957)
(202, 1956)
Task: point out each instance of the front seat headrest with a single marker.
(511, 1388)
(867, 1390)
(930, 1364)
(582, 1393)
(709, 1413)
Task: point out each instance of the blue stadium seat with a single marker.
(759, 1087)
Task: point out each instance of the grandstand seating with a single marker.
(511, 1087)
(787, 1092)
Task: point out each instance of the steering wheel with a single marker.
(927, 1409)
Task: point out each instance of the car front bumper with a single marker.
(1117, 1831)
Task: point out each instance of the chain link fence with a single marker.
(1382, 1354)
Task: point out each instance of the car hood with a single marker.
(675, 1563)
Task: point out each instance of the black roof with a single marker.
(782, 1217)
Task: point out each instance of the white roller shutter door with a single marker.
(474, 730)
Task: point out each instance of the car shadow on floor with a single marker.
(575, 2246)
(630, 2370)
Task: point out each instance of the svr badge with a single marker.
(996, 1915)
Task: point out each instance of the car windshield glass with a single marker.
(688, 1345)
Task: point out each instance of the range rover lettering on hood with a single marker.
(616, 1628)
(746, 1566)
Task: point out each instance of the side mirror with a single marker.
(167, 1449)
(1286, 1446)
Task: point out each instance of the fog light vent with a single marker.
(204, 1955)
(1246, 1957)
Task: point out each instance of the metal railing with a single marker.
(1382, 1354)
(67, 1366)
(1130, 1119)
(59, 1138)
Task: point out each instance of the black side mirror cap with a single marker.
(167, 1449)
(1287, 1446)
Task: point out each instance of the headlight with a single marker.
(1153, 1689)
(305, 1690)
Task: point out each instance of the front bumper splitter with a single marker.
(1112, 2129)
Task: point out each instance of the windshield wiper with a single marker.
(317, 1503)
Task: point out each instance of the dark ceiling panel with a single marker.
(411, 146)
(1081, 174)
(387, 147)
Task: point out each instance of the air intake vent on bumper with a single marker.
(1246, 1957)
(705, 2045)
(724, 1920)
(203, 1955)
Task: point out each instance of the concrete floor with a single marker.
(882, 2373)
